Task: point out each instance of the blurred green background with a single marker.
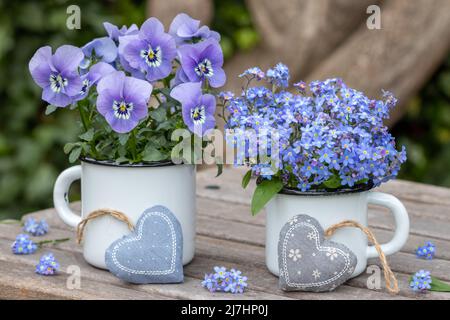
(31, 144)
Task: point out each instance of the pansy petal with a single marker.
(187, 93)
(56, 98)
(98, 71)
(136, 89)
(209, 101)
(213, 52)
(104, 48)
(152, 27)
(219, 78)
(74, 85)
(39, 66)
(113, 82)
(67, 58)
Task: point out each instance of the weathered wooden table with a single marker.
(227, 235)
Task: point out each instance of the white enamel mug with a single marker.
(130, 189)
(330, 209)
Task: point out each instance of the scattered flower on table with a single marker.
(23, 245)
(427, 251)
(421, 281)
(35, 227)
(47, 265)
(225, 281)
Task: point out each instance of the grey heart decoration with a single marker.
(309, 262)
(152, 253)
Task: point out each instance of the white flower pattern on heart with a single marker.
(332, 254)
(295, 254)
(316, 274)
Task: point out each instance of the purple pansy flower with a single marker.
(203, 61)
(198, 109)
(183, 28)
(103, 48)
(123, 100)
(114, 32)
(151, 51)
(96, 72)
(57, 74)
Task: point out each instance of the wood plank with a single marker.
(210, 252)
(20, 282)
(190, 289)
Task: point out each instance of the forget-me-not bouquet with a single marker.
(329, 135)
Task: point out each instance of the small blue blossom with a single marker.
(225, 281)
(35, 227)
(47, 265)
(427, 251)
(279, 75)
(254, 72)
(421, 281)
(23, 245)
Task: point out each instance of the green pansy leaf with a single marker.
(69, 146)
(123, 138)
(74, 154)
(50, 109)
(246, 179)
(88, 135)
(152, 154)
(265, 191)
(159, 114)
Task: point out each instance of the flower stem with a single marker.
(133, 145)
(52, 242)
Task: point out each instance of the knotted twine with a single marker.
(389, 276)
(391, 280)
(99, 213)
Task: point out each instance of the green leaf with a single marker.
(265, 191)
(69, 146)
(152, 154)
(50, 109)
(246, 179)
(123, 138)
(88, 135)
(74, 154)
(439, 286)
(333, 183)
(159, 114)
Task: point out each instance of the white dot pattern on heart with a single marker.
(172, 235)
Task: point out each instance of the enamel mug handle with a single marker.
(401, 218)
(60, 195)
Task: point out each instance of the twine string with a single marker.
(99, 213)
(389, 276)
